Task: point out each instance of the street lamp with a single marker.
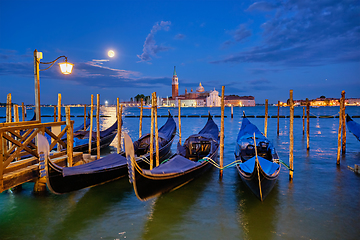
(65, 68)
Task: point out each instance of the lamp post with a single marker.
(65, 68)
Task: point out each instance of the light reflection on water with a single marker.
(320, 203)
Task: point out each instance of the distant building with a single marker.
(202, 98)
(244, 101)
(175, 85)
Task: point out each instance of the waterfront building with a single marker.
(202, 98)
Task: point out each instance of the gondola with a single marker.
(188, 163)
(111, 167)
(353, 126)
(259, 165)
(81, 139)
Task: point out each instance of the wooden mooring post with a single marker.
(179, 117)
(23, 111)
(278, 116)
(343, 150)
(156, 132)
(307, 124)
(152, 133)
(59, 107)
(91, 121)
(222, 132)
(232, 111)
(55, 114)
(266, 117)
(70, 137)
(303, 118)
(97, 126)
(8, 108)
(85, 117)
(119, 121)
(141, 117)
(291, 135)
(339, 133)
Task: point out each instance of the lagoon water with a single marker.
(322, 201)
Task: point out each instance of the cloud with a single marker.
(239, 35)
(306, 33)
(150, 48)
(179, 36)
(262, 6)
(93, 73)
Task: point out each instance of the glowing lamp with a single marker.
(66, 67)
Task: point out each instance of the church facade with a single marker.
(202, 98)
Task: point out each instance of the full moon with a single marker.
(111, 53)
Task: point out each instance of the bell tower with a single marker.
(175, 85)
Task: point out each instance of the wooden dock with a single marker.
(19, 157)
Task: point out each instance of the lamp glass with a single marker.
(66, 67)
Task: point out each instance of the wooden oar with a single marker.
(257, 166)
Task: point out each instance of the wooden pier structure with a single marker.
(19, 158)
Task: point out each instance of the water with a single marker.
(322, 202)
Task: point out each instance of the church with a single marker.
(202, 98)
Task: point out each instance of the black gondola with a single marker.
(111, 167)
(188, 163)
(259, 167)
(353, 126)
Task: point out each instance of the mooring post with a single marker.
(84, 117)
(91, 122)
(156, 131)
(98, 126)
(118, 127)
(222, 132)
(23, 111)
(59, 107)
(141, 117)
(266, 117)
(55, 114)
(291, 154)
(16, 113)
(152, 133)
(232, 111)
(303, 118)
(343, 125)
(339, 132)
(307, 124)
(69, 138)
(8, 108)
(179, 117)
(278, 118)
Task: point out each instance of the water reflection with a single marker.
(95, 203)
(171, 210)
(258, 219)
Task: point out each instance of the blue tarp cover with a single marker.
(267, 166)
(246, 137)
(354, 127)
(110, 161)
(177, 164)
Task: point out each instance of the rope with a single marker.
(145, 159)
(283, 163)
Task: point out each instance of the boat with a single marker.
(353, 127)
(190, 161)
(259, 165)
(111, 167)
(81, 139)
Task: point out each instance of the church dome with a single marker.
(200, 88)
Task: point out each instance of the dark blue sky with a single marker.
(254, 48)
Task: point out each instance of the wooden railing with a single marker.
(17, 140)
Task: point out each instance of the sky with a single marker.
(257, 48)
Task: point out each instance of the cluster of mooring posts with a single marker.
(20, 159)
(21, 162)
